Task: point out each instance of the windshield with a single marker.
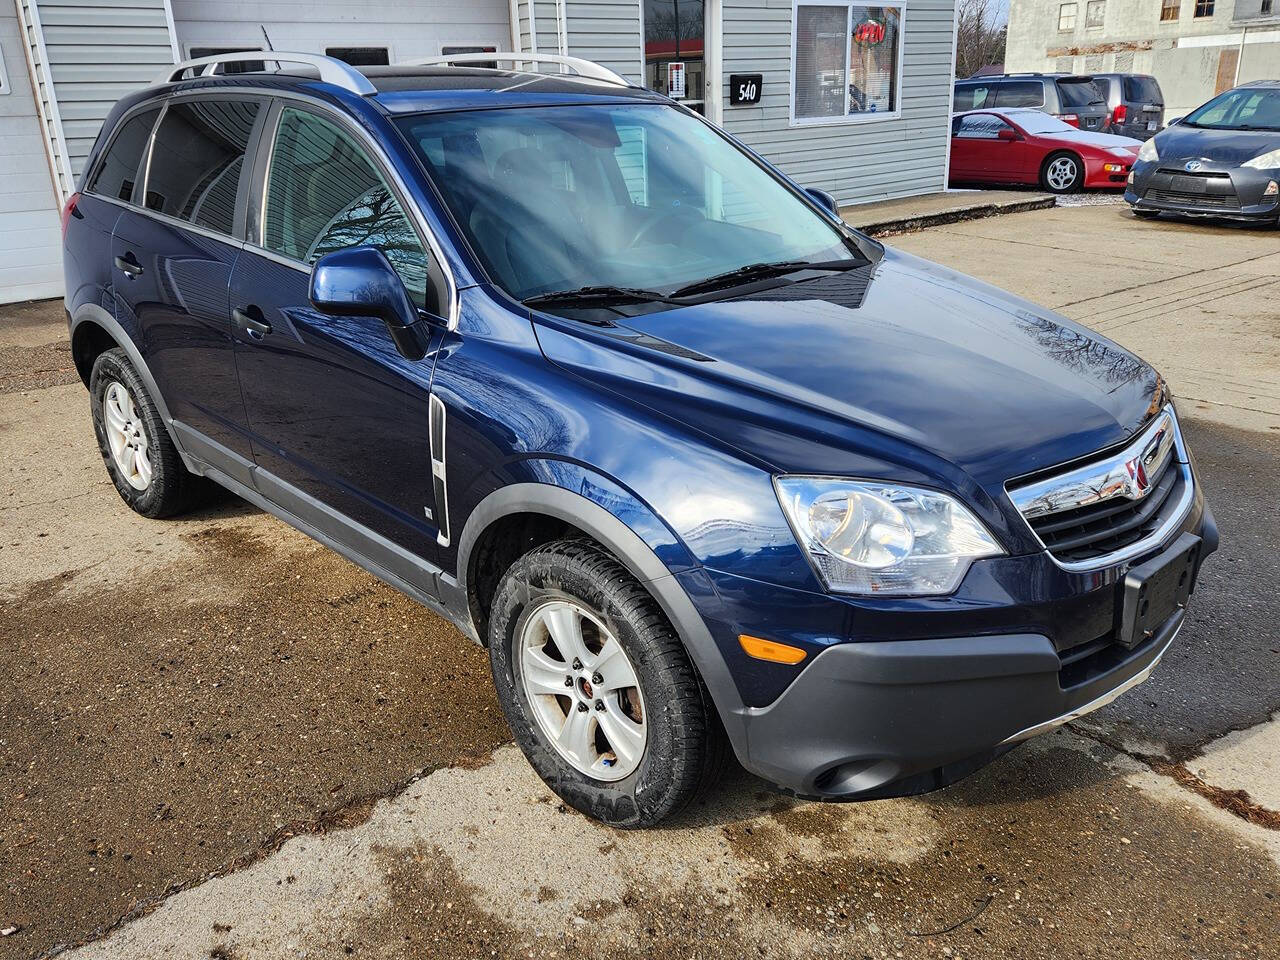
(1245, 109)
(632, 196)
(1037, 122)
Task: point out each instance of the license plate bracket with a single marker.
(1190, 185)
(1156, 589)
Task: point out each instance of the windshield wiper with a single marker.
(759, 271)
(594, 296)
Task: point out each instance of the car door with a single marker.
(986, 157)
(338, 417)
(172, 261)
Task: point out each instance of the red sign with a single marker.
(869, 33)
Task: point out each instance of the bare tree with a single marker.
(979, 37)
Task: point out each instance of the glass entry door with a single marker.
(674, 33)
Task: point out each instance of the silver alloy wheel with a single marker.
(1061, 173)
(126, 436)
(582, 690)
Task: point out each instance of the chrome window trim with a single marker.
(1107, 479)
(384, 163)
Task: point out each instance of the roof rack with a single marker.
(583, 68)
(331, 70)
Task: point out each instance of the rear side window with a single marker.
(198, 159)
(118, 171)
(1079, 93)
(1021, 93)
(324, 194)
(1142, 90)
(971, 96)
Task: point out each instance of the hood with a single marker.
(902, 361)
(1103, 141)
(1231, 147)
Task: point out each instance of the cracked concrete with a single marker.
(199, 718)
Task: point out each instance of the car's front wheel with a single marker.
(140, 456)
(598, 689)
(1062, 173)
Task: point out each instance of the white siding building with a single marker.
(849, 96)
(1194, 48)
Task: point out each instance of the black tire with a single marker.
(686, 750)
(1070, 186)
(1145, 214)
(171, 488)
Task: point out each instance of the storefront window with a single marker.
(848, 61)
(673, 49)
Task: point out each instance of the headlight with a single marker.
(1148, 151)
(870, 537)
(1265, 161)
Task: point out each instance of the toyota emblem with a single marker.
(1192, 165)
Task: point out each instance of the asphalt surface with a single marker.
(219, 739)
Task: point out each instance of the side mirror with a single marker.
(1175, 121)
(824, 200)
(1009, 136)
(360, 282)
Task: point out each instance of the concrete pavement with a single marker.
(220, 740)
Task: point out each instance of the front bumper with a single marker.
(1212, 190)
(903, 716)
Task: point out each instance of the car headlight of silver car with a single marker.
(1264, 161)
(872, 537)
(1149, 151)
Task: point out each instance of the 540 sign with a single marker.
(744, 89)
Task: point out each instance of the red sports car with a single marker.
(1027, 146)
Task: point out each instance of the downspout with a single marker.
(1244, 32)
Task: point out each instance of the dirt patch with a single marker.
(33, 367)
(1041, 855)
(164, 730)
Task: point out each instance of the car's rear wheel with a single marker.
(140, 457)
(598, 689)
(1062, 173)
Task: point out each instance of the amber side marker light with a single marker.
(768, 650)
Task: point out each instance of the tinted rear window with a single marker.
(1078, 93)
(197, 161)
(1020, 93)
(970, 96)
(119, 169)
(1142, 90)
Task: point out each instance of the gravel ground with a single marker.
(219, 740)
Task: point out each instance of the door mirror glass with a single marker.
(1007, 133)
(825, 200)
(360, 282)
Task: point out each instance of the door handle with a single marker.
(129, 266)
(254, 327)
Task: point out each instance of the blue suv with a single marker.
(708, 472)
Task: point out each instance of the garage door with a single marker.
(361, 31)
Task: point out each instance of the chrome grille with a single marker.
(1115, 507)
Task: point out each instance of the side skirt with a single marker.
(390, 563)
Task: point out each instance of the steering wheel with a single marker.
(671, 217)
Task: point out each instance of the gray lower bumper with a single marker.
(879, 719)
